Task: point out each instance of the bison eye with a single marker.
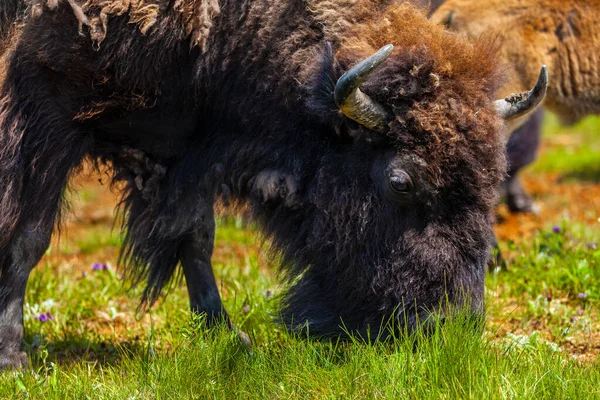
(400, 182)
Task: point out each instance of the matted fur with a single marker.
(562, 34)
(463, 70)
(196, 15)
(11, 12)
(184, 127)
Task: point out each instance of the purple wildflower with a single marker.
(45, 317)
(556, 229)
(99, 267)
(246, 309)
(579, 312)
(582, 295)
(592, 246)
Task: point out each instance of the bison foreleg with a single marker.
(195, 253)
(24, 251)
(521, 149)
(517, 198)
(39, 146)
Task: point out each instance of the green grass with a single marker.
(177, 358)
(574, 150)
(454, 363)
(565, 261)
(97, 346)
(95, 240)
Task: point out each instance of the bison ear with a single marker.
(321, 102)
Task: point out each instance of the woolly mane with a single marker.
(466, 65)
(434, 84)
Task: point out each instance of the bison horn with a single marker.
(517, 105)
(355, 104)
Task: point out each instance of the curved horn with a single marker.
(355, 104)
(517, 105)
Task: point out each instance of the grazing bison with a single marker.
(564, 35)
(379, 199)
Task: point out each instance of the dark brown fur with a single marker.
(11, 12)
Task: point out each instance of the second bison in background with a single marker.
(564, 35)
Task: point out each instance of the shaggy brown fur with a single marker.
(562, 34)
(11, 12)
(445, 60)
(431, 63)
(251, 116)
(197, 15)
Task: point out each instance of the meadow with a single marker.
(86, 339)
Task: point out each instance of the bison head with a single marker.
(397, 219)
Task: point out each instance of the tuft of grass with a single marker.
(561, 264)
(98, 347)
(454, 361)
(96, 240)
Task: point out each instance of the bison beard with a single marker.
(368, 223)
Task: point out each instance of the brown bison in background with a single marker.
(562, 34)
(379, 199)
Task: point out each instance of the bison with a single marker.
(559, 33)
(365, 140)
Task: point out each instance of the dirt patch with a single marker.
(576, 334)
(558, 199)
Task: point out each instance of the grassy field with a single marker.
(541, 340)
